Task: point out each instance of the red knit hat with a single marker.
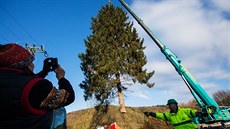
(14, 55)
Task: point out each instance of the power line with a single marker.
(11, 31)
(18, 23)
(4, 38)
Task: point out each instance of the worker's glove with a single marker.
(153, 114)
(199, 113)
(146, 113)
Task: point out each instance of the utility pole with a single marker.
(33, 49)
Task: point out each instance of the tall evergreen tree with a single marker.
(114, 53)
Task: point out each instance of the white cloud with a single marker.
(141, 94)
(223, 5)
(140, 91)
(161, 66)
(199, 37)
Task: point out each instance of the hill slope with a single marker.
(133, 119)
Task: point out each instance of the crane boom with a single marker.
(212, 111)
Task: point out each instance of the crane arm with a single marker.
(206, 103)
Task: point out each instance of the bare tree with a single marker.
(222, 97)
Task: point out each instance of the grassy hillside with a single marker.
(133, 119)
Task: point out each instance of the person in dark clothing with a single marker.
(28, 101)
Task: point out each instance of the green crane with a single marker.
(212, 114)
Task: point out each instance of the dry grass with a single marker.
(133, 119)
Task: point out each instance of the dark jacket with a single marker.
(27, 101)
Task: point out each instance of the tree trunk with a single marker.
(120, 95)
(121, 102)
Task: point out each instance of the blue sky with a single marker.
(198, 32)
